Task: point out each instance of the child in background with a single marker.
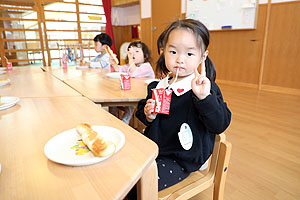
(102, 60)
(138, 56)
(196, 100)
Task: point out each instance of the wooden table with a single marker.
(74, 72)
(34, 82)
(28, 174)
(95, 85)
(107, 92)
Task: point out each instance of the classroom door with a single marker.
(163, 13)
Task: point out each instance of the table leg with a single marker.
(147, 186)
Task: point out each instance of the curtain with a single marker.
(108, 28)
(134, 32)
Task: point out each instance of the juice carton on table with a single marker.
(9, 65)
(125, 81)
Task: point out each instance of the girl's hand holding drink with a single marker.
(148, 110)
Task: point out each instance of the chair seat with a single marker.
(193, 184)
(199, 181)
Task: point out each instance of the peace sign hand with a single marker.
(201, 84)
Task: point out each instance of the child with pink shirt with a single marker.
(138, 56)
(138, 59)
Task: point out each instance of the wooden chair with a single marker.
(197, 181)
(123, 52)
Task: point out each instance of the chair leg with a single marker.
(221, 171)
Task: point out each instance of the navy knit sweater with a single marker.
(205, 117)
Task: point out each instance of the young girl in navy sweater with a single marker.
(197, 113)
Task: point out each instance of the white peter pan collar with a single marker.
(179, 87)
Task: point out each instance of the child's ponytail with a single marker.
(210, 69)
(161, 68)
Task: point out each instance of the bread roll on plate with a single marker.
(4, 80)
(95, 142)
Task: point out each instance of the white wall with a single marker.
(124, 16)
(275, 1)
(183, 6)
(145, 8)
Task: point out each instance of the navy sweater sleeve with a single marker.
(213, 111)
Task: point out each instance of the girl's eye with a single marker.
(190, 54)
(173, 52)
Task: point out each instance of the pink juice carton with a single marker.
(9, 65)
(125, 81)
(65, 65)
(162, 99)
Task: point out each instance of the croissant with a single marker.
(94, 141)
(4, 80)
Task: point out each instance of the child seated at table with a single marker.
(138, 59)
(197, 112)
(102, 59)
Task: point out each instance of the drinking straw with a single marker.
(175, 78)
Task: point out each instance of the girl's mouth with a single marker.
(178, 67)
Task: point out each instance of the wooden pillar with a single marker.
(78, 23)
(3, 60)
(42, 12)
(39, 18)
(263, 58)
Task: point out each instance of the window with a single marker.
(33, 33)
(20, 34)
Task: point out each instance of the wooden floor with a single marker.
(265, 137)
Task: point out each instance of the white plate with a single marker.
(8, 102)
(82, 67)
(2, 71)
(59, 148)
(114, 74)
(4, 82)
(148, 81)
(2, 68)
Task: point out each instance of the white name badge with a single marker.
(185, 136)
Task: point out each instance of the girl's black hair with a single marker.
(160, 42)
(145, 49)
(202, 36)
(103, 38)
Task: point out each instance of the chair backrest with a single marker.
(123, 52)
(196, 182)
